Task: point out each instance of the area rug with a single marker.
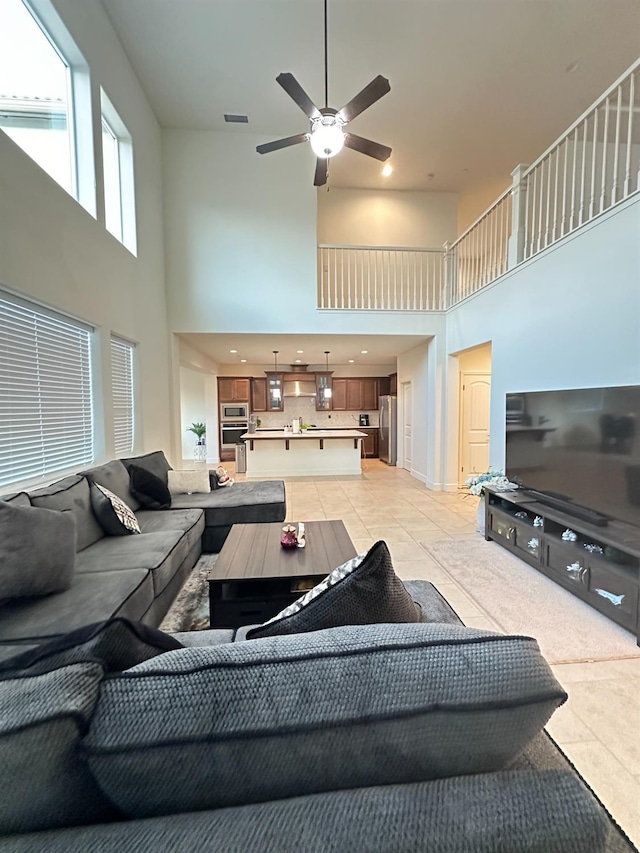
(523, 601)
(190, 609)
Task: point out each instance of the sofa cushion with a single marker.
(244, 503)
(363, 591)
(160, 521)
(92, 597)
(116, 644)
(17, 499)
(37, 550)
(115, 517)
(43, 783)
(188, 482)
(72, 495)
(155, 462)
(115, 477)
(343, 708)
(160, 553)
(506, 812)
(148, 489)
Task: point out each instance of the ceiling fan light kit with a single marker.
(327, 135)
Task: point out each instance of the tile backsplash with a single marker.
(305, 408)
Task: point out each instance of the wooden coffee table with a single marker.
(255, 577)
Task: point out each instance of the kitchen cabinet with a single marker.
(384, 385)
(339, 395)
(393, 383)
(370, 443)
(275, 402)
(233, 390)
(258, 394)
(323, 382)
(370, 393)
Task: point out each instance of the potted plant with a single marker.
(200, 431)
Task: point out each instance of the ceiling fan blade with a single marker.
(295, 91)
(322, 172)
(378, 87)
(366, 146)
(282, 143)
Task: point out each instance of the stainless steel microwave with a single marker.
(234, 411)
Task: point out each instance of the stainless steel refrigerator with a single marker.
(387, 433)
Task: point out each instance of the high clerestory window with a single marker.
(46, 411)
(35, 93)
(117, 167)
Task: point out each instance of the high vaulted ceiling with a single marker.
(477, 86)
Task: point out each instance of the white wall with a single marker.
(416, 366)
(55, 252)
(193, 407)
(568, 318)
(198, 395)
(386, 218)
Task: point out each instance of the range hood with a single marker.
(299, 388)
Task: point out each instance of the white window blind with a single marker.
(122, 390)
(46, 417)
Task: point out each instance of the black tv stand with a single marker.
(571, 509)
(600, 565)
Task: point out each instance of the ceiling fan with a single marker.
(327, 136)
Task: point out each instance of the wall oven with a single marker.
(234, 411)
(230, 434)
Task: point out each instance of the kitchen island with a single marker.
(315, 453)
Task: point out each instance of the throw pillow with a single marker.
(116, 644)
(155, 462)
(44, 783)
(363, 591)
(37, 550)
(149, 489)
(115, 517)
(189, 482)
(348, 707)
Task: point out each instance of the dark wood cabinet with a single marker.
(354, 395)
(233, 389)
(370, 443)
(370, 393)
(393, 384)
(384, 385)
(258, 394)
(601, 565)
(339, 395)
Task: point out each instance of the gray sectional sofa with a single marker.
(137, 576)
(395, 738)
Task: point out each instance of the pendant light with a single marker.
(277, 394)
(327, 391)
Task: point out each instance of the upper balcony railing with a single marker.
(593, 166)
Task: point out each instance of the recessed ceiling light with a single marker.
(299, 351)
(387, 169)
(298, 360)
(236, 118)
(364, 351)
(233, 350)
(243, 360)
(351, 360)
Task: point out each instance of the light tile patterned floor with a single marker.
(598, 728)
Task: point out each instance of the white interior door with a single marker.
(407, 415)
(475, 401)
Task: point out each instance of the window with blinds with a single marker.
(122, 391)
(46, 412)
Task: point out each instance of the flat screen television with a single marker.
(578, 450)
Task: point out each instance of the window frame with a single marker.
(126, 179)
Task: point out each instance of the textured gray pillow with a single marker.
(364, 591)
(43, 783)
(37, 550)
(281, 717)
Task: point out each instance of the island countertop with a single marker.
(315, 433)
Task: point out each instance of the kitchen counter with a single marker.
(317, 452)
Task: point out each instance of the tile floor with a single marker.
(598, 728)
